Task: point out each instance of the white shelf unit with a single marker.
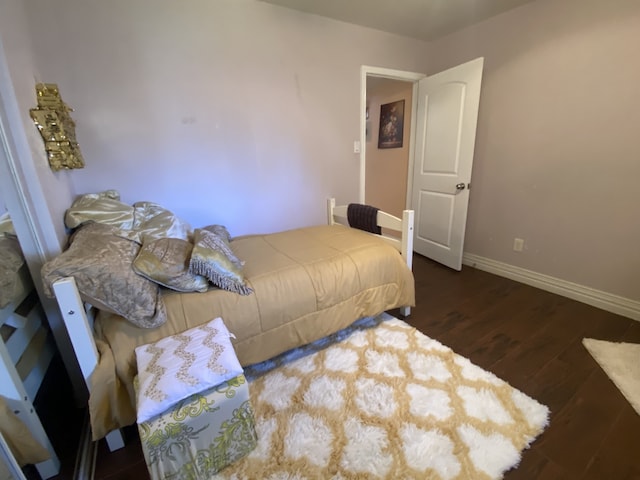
(26, 351)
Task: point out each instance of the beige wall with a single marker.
(386, 168)
(39, 194)
(50, 192)
(557, 158)
(225, 111)
(243, 113)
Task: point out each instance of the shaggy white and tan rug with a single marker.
(621, 362)
(382, 400)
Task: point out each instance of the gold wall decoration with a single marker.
(57, 128)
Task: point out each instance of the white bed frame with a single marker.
(26, 350)
(78, 317)
(404, 226)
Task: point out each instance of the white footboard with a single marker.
(78, 319)
(404, 225)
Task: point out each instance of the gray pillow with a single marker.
(166, 262)
(219, 230)
(100, 261)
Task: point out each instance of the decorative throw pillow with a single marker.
(213, 258)
(219, 230)
(166, 262)
(100, 261)
(178, 366)
(222, 232)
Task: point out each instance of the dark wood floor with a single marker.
(528, 337)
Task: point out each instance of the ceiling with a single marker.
(421, 19)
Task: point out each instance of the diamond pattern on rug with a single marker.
(325, 392)
(429, 450)
(491, 454)
(382, 400)
(483, 405)
(375, 399)
(308, 438)
(366, 450)
(427, 402)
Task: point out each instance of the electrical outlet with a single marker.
(518, 244)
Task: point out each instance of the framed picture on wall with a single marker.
(391, 125)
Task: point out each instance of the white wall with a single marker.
(224, 111)
(49, 193)
(557, 157)
(243, 113)
(34, 195)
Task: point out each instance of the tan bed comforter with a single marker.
(23, 445)
(308, 283)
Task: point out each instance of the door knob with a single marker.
(460, 187)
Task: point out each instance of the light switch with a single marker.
(356, 146)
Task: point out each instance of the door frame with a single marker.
(405, 76)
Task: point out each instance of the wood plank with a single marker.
(534, 465)
(558, 381)
(577, 430)
(614, 461)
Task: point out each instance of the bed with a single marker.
(302, 285)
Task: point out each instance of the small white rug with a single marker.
(382, 400)
(621, 363)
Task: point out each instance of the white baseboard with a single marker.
(597, 298)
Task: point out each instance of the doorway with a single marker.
(369, 128)
(387, 163)
(444, 112)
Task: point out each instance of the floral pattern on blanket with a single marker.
(202, 434)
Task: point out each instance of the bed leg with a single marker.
(405, 311)
(48, 468)
(115, 440)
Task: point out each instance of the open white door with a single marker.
(445, 138)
